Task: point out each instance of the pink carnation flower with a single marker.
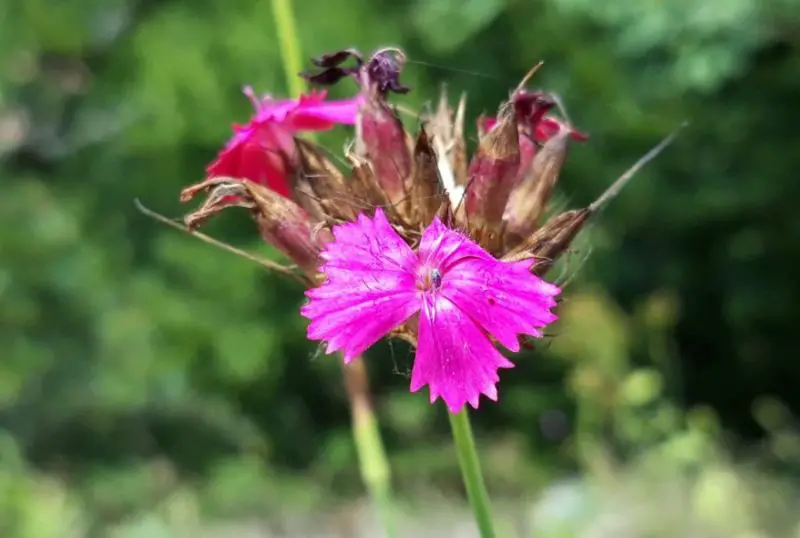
(259, 150)
(462, 295)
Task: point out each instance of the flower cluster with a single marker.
(416, 240)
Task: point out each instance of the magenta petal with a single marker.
(370, 287)
(321, 116)
(256, 152)
(275, 110)
(441, 246)
(278, 110)
(353, 320)
(365, 246)
(454, 357)
(309, 113)
(504, 299)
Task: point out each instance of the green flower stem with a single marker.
(373, 463)
(471, 471)
(289, 45)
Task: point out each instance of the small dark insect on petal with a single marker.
(436, 279)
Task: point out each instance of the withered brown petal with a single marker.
(326, 77)
(458, 153)
(426, 192)
(282, 223)
(368, 192)
(320, 187)
(334, 59)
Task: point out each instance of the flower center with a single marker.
(430, 279)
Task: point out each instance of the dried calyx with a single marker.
(382, 70)
(498, 197)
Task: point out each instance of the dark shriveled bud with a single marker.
(282, 223)
(380, 73)
(336, 59)
(493, 173)
(384, 68)
(529, 198)
(332, 70)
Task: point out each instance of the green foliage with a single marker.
(150, 384)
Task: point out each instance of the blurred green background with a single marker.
(153, 386)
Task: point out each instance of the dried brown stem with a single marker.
(272, 266)
(615, 188)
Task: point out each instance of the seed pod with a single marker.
(527, 152)
(492, 174)
(529, 198)
(381, 140)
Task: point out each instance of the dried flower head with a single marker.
(416, 240)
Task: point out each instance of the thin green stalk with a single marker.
(289, 45)
(471, 472)
(373, 463)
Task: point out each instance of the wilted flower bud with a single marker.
(381, 140)
(529, 197)
(550, 241)
(282, 223)
(492, 175)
